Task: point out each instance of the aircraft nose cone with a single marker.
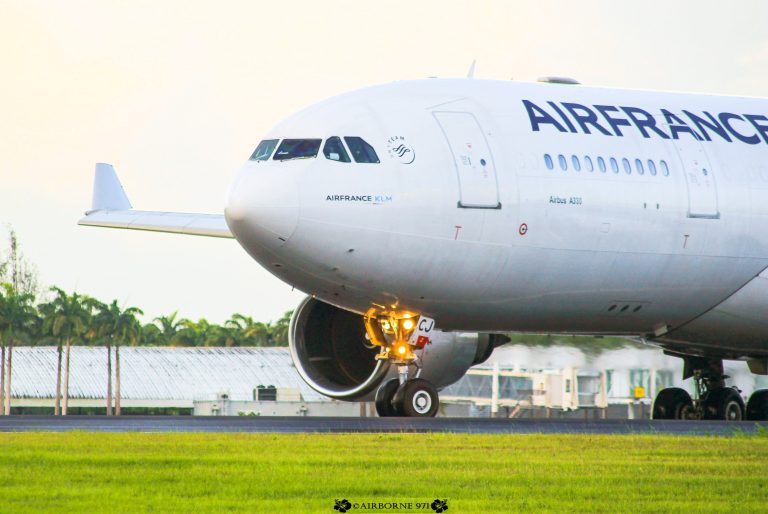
(263, 209)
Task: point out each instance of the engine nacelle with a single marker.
(332, 354)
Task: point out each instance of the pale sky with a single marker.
(177, 95)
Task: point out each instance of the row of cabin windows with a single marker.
(600, 163)
(334, 150)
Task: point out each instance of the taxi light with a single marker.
(408, 324)
(402, 349)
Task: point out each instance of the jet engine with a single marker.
(332, 354)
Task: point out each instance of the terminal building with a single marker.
(563, 381)
(517, 381)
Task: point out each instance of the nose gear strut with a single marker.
(399, 335)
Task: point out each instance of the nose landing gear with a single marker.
(400, 335)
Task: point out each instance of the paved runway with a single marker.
(372, 425)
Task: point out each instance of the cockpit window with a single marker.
(297, 149)
(361, 151)
(334, 150)
(264, 150)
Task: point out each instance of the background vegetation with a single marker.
(91, 326)
(112, 472)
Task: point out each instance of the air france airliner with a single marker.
(424, 219)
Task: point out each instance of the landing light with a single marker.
(402, 349)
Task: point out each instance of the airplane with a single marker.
(424, 219)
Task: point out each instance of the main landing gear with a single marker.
(399, 335)
(712, 400)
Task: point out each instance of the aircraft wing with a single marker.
(111, 208)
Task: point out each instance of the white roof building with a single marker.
(155, 376)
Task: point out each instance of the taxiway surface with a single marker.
(372, 425)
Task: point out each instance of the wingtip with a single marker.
(471, 71)
(108, 192)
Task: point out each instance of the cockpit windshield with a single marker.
(334, 150)
(297, 149)
(361, 151)
(264, 150)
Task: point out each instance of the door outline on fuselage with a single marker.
(489, 192)
(699, 178)
(699, 174)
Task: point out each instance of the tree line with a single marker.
(168, 330)
(65, 319)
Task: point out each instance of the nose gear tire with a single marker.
(384, 395)
(416, 398)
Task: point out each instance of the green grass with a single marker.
(105, 472)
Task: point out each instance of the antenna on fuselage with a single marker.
(471, 72)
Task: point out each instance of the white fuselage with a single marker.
(464, 221)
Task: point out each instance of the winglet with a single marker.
(471, 72)
(108, 192)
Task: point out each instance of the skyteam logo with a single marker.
(400, 150)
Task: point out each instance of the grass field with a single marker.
(105, 472)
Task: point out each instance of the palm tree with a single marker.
(169, 326)
(247, 331)
(2, 355)
(2, 378)
(103, 328)
(17, 315)
(280, 329)
(219, 335)
(151, 335)
(66, 318)
(46, 313)
(194, 333)
(126, 329)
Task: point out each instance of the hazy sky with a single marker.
(177, 94)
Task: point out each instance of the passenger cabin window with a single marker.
(588, 163)
(362, 152)
(264, 150)
(334, 150)
(576, 163)
(297, 149)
